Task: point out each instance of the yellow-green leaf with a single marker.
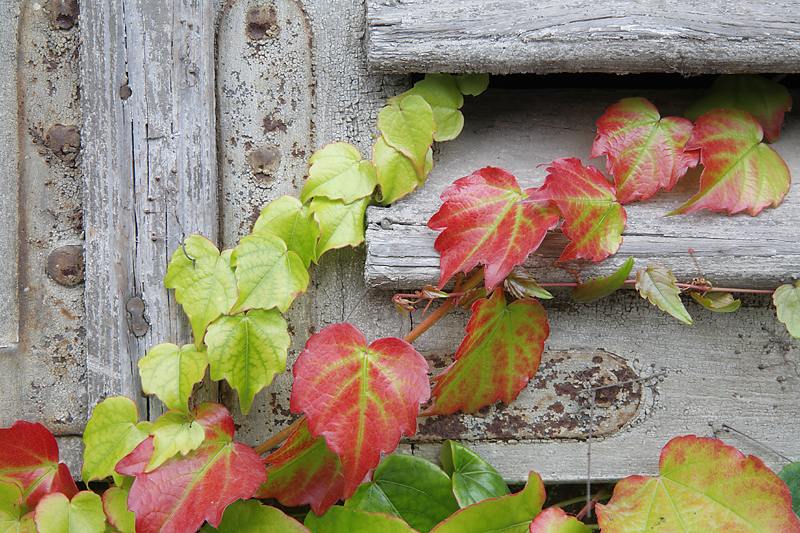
(342, 224)
(83, 514)
(657, 284)
(787, 304)
(287, 218)
(172, 433)
(409, 127)
(111, 433)
(338, 172)
(719, 302)
(396, 173)
(170, 373)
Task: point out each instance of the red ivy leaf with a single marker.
(482, 221)
(645, 152)
(304, 471)
(704, 486)
(360, 398)
(740, 171)
(501, 352)
(29, 459)
(186, 490)
(593, 218)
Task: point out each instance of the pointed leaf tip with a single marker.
(657, 284)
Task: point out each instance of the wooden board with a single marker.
(523, 131)
(620, 36)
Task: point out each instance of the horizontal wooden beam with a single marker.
(622, 36)
(523, 131)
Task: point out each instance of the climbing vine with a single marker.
(357, 398)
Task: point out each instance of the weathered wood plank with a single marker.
(523, 131)
(589, 35)
(150, 166)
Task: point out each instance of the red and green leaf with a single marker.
(555, 520)
(304, 472)
(645, 152)
(597, 288)
(187, 490)
(483, 221)
(593, 218)
(501, 352)
(703, 485)
(765, 99)
(29, 459)
(741, 173)
(360, 398)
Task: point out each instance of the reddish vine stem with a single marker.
(701, 288)
(279, 437)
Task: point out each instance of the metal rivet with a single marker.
(63, 13)
(385, 224)
(65, 265)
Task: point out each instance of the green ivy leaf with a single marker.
(443, 95)
(597, 288)
(555, 520)
(396, 173)
(791, 476)
(342, 224)
(174, 432)
(509, 514)
(111, 433)
(338, 172)
(473, 479)
(410, 488)
(170, 373)
(268, 274)
(252, 517)
(115, 505)
(657, 284)
(287, 218)
(204, 282)
(247, 351)
(472, 84)
(340, 519)
(719, 302)
(787, 304)
(11, 518)
(409, 128)
(55, 513)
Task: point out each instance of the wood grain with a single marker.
(621, 36)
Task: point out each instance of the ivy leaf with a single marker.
(360, 398)
(645, 152)
(408, 127)
(719, 302)
(740, 171)
(396, 173)
(483, 221)
(170, 373)
(247, 350)
(115, 506)
(56, 513)
(340, 519)
(268, 274)
(593, 218)
(509, 514)
(443, 95)
(472, 84)
(703, 486)
(204, 282)
(555, 520)
(657, 284)
(597, 288)
(787, 304)
(29, 459)
(342, 224)
(253, 517)
(473, 479)
(287, 218)
(174, 432)
(765, 99)
(12, 520)
(410, 488)
(111, 433)
(521, 285)
(501, 352)
(304, 472)
(338, 172)
(186, 490)
(791, 476)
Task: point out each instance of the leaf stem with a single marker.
(279, 437)
(701, 288)
(580, 499)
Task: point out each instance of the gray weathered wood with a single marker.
(620, 36)
(523, 131)
(150, 166)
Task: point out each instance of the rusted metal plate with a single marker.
(555, 405)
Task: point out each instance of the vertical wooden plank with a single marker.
(151, 174)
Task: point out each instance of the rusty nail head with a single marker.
(63, 13)
(65, 265)
(262, 23)
(63, 141)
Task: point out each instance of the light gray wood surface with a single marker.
(523, 131)
(150, 167)
(620, 36)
